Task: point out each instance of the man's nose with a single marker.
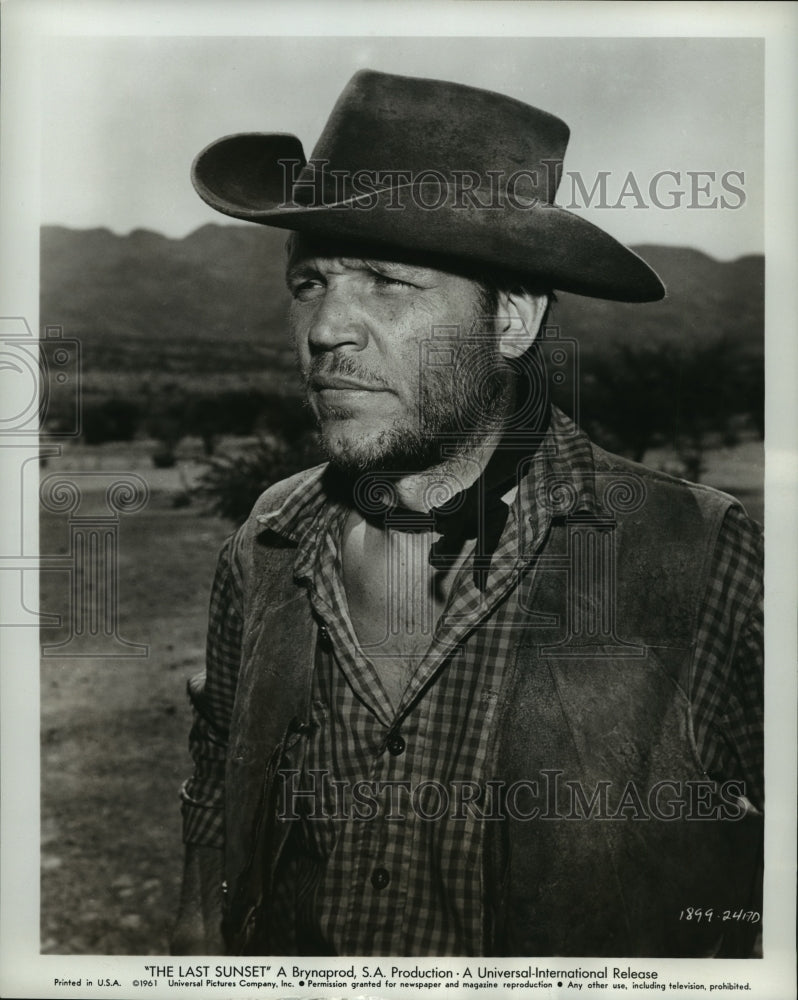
(337, 322)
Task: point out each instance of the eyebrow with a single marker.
(300, 270)
(305, 268)
(378, 264)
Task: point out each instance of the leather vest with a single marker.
(614, 829)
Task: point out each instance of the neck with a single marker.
(421, 491)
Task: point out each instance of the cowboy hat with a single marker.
(428, 166)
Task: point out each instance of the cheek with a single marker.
(406, 370)
(298, 331)
(408, 343)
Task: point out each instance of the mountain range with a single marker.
(214, 302)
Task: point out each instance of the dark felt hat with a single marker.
(428, 166)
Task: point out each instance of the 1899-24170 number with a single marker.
(709, 914)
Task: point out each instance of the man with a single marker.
(475, 686)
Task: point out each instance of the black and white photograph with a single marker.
(398, 445)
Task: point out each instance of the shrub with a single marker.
(231, 483)
(112, 419)
(637, 397)
(164, 457)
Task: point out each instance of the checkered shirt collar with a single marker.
(558, 480)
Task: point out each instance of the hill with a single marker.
(213, 302)
(705, 299)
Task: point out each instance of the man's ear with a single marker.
(518, 321)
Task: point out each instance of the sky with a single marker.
(123, 118)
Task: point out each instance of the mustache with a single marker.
(343, 366)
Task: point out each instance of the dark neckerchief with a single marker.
(476, 512)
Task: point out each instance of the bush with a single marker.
(638, 397)
(232, 483)
(164, 457)
(177, 413)
(113, 419)
(230, 412)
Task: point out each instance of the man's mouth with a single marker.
(320, 383)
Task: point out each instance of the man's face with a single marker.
(360, 326)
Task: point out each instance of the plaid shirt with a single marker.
(404, 882)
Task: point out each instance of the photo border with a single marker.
(23, 971)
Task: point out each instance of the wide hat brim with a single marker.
(249, 176)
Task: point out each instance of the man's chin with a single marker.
(388, 451)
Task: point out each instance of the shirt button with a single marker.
(380, 878)
(396, 745)
(324, 633)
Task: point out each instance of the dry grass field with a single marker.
(114, 731)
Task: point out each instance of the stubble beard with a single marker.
(457, 409)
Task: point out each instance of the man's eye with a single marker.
(304, 290)
(384, 281)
